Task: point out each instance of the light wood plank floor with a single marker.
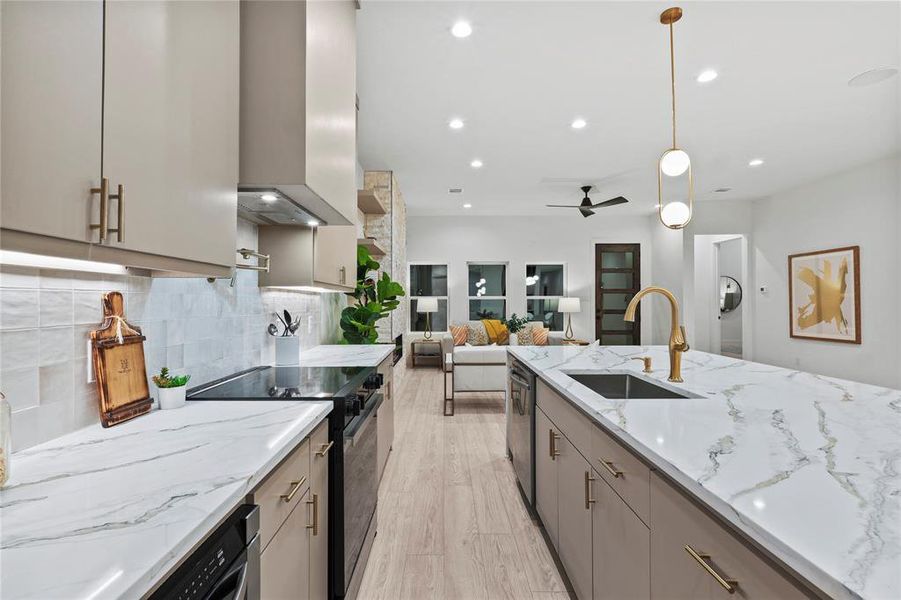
(451, 522)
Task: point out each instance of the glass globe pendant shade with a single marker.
(674, 162)
(675, 215)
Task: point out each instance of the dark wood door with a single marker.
(617, 280)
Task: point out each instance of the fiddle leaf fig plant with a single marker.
(373, 299)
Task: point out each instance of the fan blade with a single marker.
(562, 206)
(586, 212)
(611, 202)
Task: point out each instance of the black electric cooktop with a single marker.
(298, 383)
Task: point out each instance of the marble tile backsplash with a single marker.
(208, 330)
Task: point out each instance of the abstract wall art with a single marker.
(824, 295)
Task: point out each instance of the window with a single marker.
(487, 291)
(545, 285)
(428, 281)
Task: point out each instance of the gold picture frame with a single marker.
(824, 295)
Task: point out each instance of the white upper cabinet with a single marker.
(170, 126)
(298, 103)
(52, 97)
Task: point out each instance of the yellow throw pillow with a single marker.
(459, 334)
(497, 332)
(539, 336)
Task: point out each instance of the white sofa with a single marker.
(483, 368)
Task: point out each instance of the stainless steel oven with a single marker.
(521, 428)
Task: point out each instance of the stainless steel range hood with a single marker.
(271, 206)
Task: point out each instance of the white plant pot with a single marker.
(171, 397)
(287, 351)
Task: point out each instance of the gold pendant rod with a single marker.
(672, 74)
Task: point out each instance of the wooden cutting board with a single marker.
(118, 357)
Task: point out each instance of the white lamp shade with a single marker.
(569, 305)
(427, 305)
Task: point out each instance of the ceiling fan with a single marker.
(586, 207)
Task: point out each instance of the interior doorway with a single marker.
(720, 286)
(617, 279)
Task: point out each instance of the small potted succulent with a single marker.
(171, 389)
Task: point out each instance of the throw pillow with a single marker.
(524, 336)
(497, 331)
(459, 333)
(477, 336)
(539, 336)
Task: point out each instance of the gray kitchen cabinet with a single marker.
(335, 256)
(385, 414)
(131, 93)
(170, 126)
(51, 98)
(317, 504)
(574, 501)
(694, 557)
(285, 562)
(620, 547)
(298, 104)
(546, 440)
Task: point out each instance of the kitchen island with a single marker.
(804, 466)
(107, 513)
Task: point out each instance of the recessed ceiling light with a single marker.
(755, 162)
(467, 205)
(312, 222)
(707, 76)
(455, 124)
(872, 76)
(476, 164)
(461, 29)
(578, 124)
(268, 197)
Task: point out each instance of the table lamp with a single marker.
(427, 306)
(568, 306)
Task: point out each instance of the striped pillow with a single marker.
(539, 336)
(459, 334)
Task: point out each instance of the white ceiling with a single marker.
(529, 68)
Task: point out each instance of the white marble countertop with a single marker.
(806, 465)
(346, 355)
(106, 513)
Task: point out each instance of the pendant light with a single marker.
(675, 161)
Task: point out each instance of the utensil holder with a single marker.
(287, 351)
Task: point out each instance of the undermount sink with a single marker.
(622, 386)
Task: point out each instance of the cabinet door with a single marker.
(546, 437)
(621, 547)
(574, 521)
(331, 87)
(285, 563)
(51, 88)
(317, 504)
(335, 256)
(170, 126)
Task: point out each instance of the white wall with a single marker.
(520, 240)
(666, 264)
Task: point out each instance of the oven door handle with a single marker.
(520, 381)
(232, 586)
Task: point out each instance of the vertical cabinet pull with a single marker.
(588, 500)
(120, 220)
(342, 273)
(552, 446)
(728, 584)
(315, 503)
(103, 190)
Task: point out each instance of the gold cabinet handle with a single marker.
(315, 503)
(295, 486)
(588, 500)
(728, 584)
(343, 273)
(324, 449)
(610, 468)
(103, 190)
(120, 226)
(552, 446)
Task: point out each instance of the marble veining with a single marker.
(106, 513)
(806, 465)
(345, 355)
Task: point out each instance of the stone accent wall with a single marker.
(390, 233)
